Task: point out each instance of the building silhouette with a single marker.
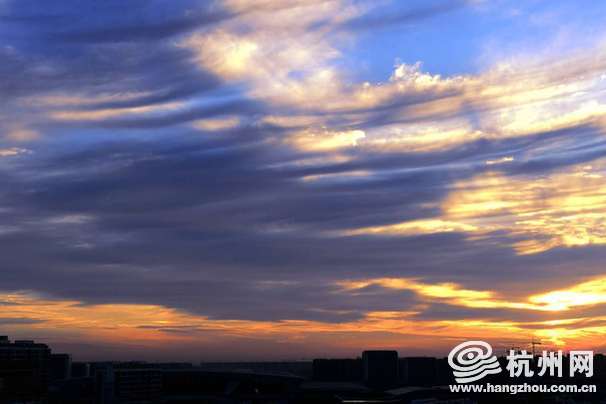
(418, 371)
(138, 385)
(380, 369)
(80, 370)
(24, 368)
(338, 370)
(31, 373)
(60, 367)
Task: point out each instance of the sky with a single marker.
(246, 180)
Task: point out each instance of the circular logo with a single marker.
(472, 360)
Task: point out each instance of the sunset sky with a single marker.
(272, 179)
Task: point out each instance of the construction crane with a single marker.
(534, 343)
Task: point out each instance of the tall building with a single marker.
(380, 369)
(104, 382)
(80, 369)
(60, 367)
(138, 385)
(24, 367)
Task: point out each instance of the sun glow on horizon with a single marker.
(152, 325)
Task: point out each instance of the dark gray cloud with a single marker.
(158, 69)
(112, 21)
(211, 227)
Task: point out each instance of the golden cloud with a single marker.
(145, 324)
(564, 209)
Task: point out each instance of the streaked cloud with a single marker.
(326, 141)
(415, 227)
(359, 172)
(501, 160)
(538, 213)
(585, 294)
(12, 151)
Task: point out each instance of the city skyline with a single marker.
(275, 180)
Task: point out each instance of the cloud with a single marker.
(501, 160)
(216, 123)
(326, 141)
(19, 321)
(539, 213)
(49, 82)
(373, 21)
(12, 151)
(194, 15)
(228, 169)
(588, 293)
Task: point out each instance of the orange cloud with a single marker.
(152, 325)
